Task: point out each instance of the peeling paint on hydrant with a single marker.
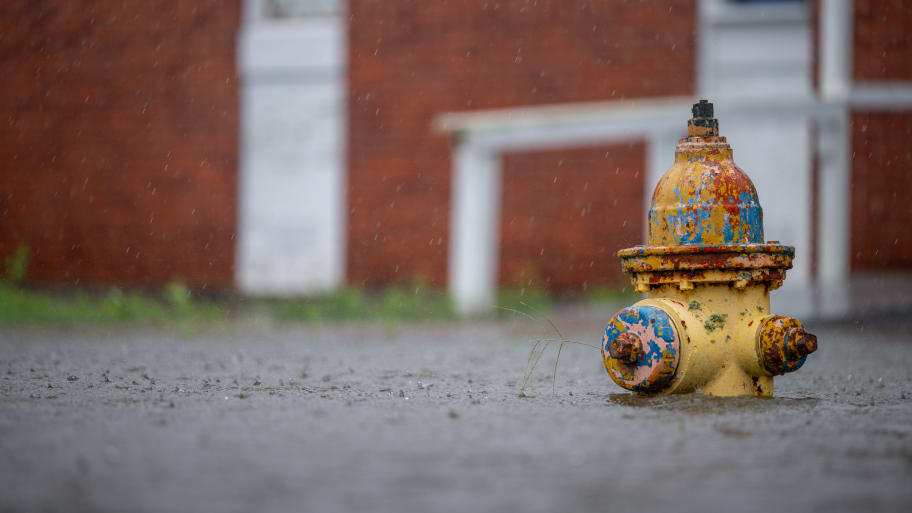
(706, 325)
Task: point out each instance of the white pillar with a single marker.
(834, 209)
(835, 49)
(474, 228)
(834, 150)
(292, 213)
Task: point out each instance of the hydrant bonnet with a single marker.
(704, 200)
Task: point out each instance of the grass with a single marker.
(534, 310)
(175, 303)
(539, 347)
(21, 306)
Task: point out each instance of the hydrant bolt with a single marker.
(706, 324)
(625, 348)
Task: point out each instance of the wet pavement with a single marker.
(407, 418)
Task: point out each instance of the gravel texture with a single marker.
(425, 417)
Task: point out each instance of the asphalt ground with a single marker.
(430, 417)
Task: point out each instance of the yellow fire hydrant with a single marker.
(706, 325)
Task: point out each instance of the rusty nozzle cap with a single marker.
(784, 344)
(702, 124)
(800, 342)
(625, 348)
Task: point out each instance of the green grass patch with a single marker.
(18, 305)
(175, 304)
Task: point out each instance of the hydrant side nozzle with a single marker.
(784, 344)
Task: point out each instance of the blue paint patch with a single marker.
(751, 217)
(727, 231)
(654, 354)
(690, 223)
(689, 220)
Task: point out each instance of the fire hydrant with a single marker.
(706, 324)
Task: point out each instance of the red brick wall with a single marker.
(881, 148)
(118, 140)
(881, 141)
(410, 61)
(881, 183)
(566, 213)
(882, 40)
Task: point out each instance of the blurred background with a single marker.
(298, 148)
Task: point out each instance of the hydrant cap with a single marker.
(641, 348)
(704, 198)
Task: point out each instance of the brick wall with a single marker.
(566, 213)
(118, 140)
(410, 61)
(881, 182)
(881, 141)
(882, 40)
